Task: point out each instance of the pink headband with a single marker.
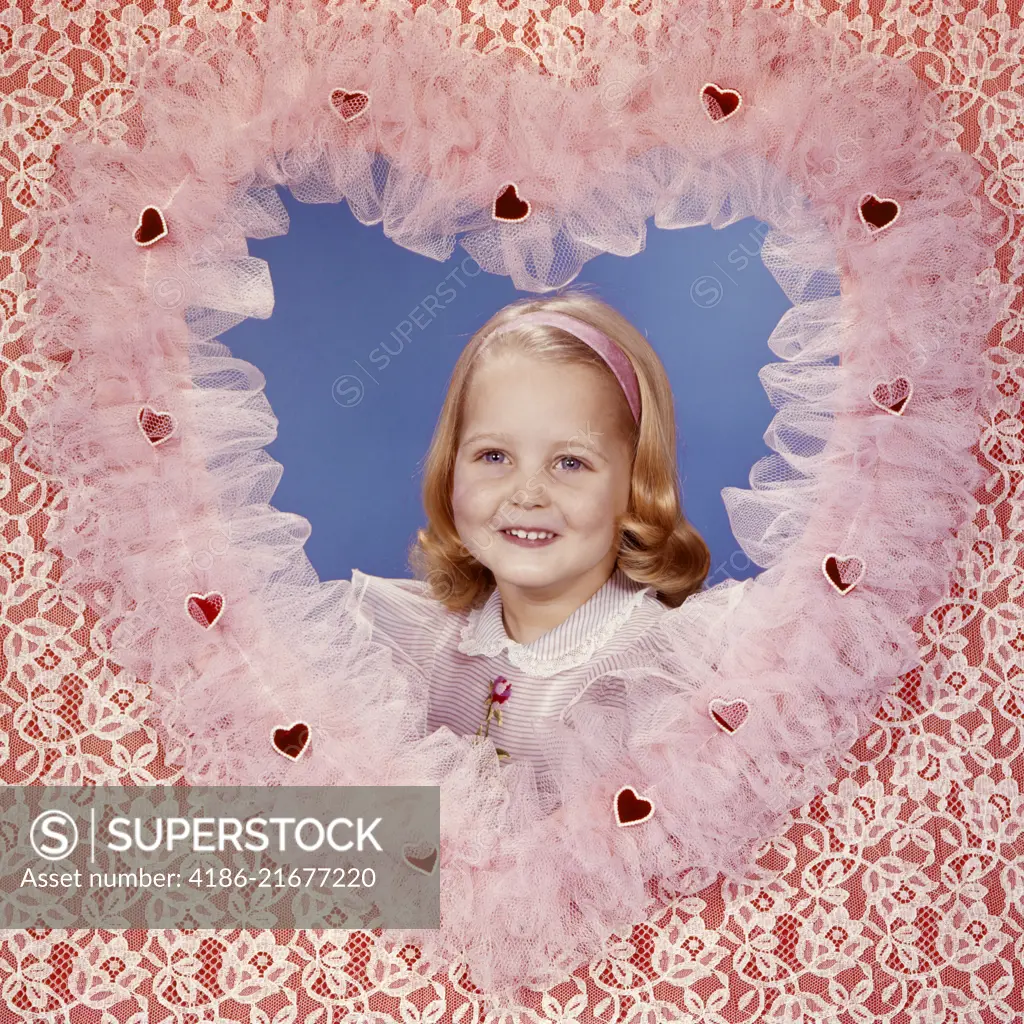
(598, 341)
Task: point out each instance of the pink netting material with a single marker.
(533, 880)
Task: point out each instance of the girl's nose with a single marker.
(529, 489)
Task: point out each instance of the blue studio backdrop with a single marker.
(364, 336)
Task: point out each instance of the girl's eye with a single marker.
(578, 463)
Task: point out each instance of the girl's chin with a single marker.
(530, 572)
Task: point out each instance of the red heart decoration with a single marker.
(877, 213)
(728, 715)
(151, 227)
(508, 206)
(291, 742)
(844, 572)
(157, 427)
(205, 609)
(892, 395)
(424, 863)
(720, 104)
(349, 105)
(631, 808)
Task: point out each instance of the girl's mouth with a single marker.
(529, 538)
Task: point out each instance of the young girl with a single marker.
(550, 624)
(555, 535)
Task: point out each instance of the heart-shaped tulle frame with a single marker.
(150, 524)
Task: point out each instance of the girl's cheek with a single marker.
(589, 510)
(471, 495)
(464, 483)
(461, 495)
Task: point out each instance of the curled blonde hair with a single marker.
(657, 545)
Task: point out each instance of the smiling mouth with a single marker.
(529, 538)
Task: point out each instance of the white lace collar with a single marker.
(569, 644)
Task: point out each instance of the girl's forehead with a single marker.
(588, 434)
(543, 404)
(515, 377)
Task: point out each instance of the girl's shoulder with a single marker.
(660, 646)
(649, 615)
(396, 583)
(398, 601)
(653, 628)
(401, 614)
(705, 609)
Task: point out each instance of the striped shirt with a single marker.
(461, 653)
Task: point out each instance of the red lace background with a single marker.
(897, 896)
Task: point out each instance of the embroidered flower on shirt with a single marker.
(501, 690)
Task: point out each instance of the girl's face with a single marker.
(542, 447)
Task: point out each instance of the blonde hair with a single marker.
(657, 546)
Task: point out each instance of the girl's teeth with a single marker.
(532, 535)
